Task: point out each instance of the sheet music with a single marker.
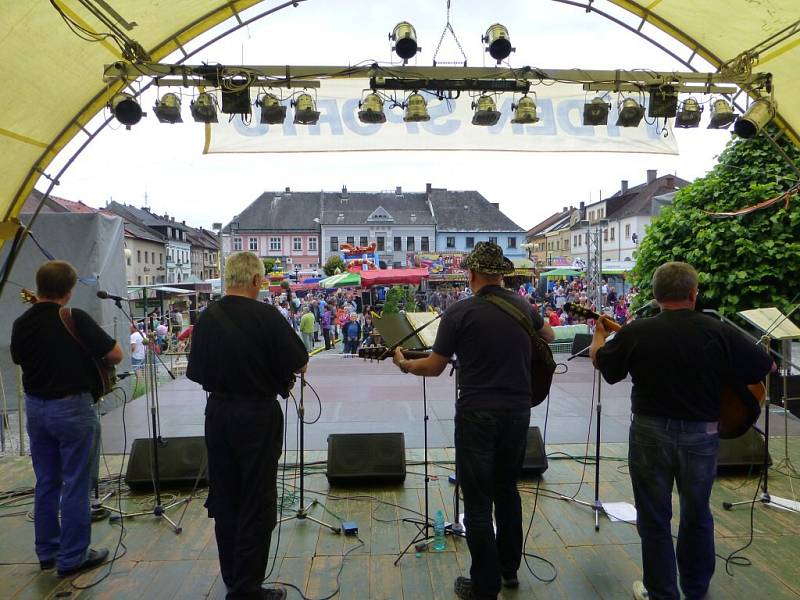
(773, 322)
(427, 335)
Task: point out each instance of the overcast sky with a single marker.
(166, 163)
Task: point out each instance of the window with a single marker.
(128, 260)
(274, 243)
(351, 240)
(605, 235)
(424, 245)
(298, 265)
(566, 244)
(334, 244)
(574, 240)
(451, 241)
(398, 243)
(512, 242)
(153, 257)
(492, 240)
(253, 244)
(363, 241)
(312, 244)
(410, 246)
(297, 243)
(237, 244)
(591, 215)
(558, 244)
(612, 233)
(160, 258)
(139, 279)
(146, 258)
(139, 257)
(470, 242)
(381, 243)
(628, 231)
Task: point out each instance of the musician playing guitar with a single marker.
(678, 361)
(59, 378)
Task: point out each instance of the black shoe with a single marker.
(273, 594)
(46, 565)
(510, 580)
(93, 559)
(463, 589)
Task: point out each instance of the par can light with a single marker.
(689, 114)
(498, 45)
(305, 110)
(722, 114)
(272, 111)
(630, 114)
(125, 109)
(416, 109)
(371, 110)
(525, 111)
(754, 119)
(404, 37)
(596, 112)
(486, 113)
(203, 108)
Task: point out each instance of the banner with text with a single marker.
(560, 129)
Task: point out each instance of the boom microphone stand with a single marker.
(302, 511)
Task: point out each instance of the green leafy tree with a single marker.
(391, 304)
(743, 262)
(269, 263)
(411, 299)
(333, 263)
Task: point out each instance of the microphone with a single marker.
(103, 295)
(650, 309)
(125, 374)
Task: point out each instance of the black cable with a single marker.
(732, 558)
(319, 402)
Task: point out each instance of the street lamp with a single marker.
(296, 274)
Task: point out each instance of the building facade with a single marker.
(204, 254)
(145, 253)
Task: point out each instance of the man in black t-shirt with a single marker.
(244, 353)
(492, 415)
(678, 361)
(58, 375)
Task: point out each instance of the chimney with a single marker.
(428, 188)
(288, 190)
(624, 185)
(582, 206)
(495, 204)
(651, 175)
(563, 210)
(344, 190)
(398, 191)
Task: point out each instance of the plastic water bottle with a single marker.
(439, 542)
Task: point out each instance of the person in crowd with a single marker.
(492, 415)
(367, 327)
(307, 328)
(244, 354)
(351, 335)
(326, 323)
(161, 335)
(678, 361)
(56, 346)
(138, 349)
(552, 316)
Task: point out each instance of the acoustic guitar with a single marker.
(740, 404)
(105, 376)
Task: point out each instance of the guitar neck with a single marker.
(586, 313)
(382, 353)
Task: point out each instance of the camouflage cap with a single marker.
(487, 257)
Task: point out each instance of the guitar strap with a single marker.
(65, 313)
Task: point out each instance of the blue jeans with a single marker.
(62, 436)
(663, 451)
(490, 449)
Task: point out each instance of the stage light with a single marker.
(125, 109)
(524, 111)
(203, 108)
(722, 114)
(754, 118)
(596, 112)
(168, 109)
(416, 109)
(486, 113)
(305, 110)
(663, 102)
(371, 110)
(689, 114)
(497, 43)
(404, 37)
(631, 113)
(272, 111)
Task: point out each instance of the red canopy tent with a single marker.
(392, 276)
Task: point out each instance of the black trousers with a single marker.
(326, 334)
(244, 442)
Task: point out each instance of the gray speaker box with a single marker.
(744, 452)
(180, 459)
(580, 343)
(535, 462)
(366, 458)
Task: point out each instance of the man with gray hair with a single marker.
(244, 353)
(678, 361)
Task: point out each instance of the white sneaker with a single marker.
(639, 591)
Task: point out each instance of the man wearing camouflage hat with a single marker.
(493, 410)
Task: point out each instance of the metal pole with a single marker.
(20, 413)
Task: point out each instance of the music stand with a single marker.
(773, 325)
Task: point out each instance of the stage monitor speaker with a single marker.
(744, 452)
(792, 390)
(535, 462)
(580, 342)
(366, 458)
(180, 459)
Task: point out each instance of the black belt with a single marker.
(240, 397)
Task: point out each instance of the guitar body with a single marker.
(740, 404)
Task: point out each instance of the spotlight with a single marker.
(525, 111)
(416, 109)
(631, 113)
(663, 102)
(272, 111)
(497, 43)
(404, 37)
(305, 110)
(754, 118)
(722, 114)
(168, 109)
(203, 108)
(125, 109)
(596, 112)
(689, 114)
(371, 110)
(486, 113)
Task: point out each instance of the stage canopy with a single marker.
(341, 280)
(52, 84)
(561, 273)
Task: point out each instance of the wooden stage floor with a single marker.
(158, 564)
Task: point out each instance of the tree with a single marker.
(269, 263)
(391, 304)
(743, 262)
(333, 263)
